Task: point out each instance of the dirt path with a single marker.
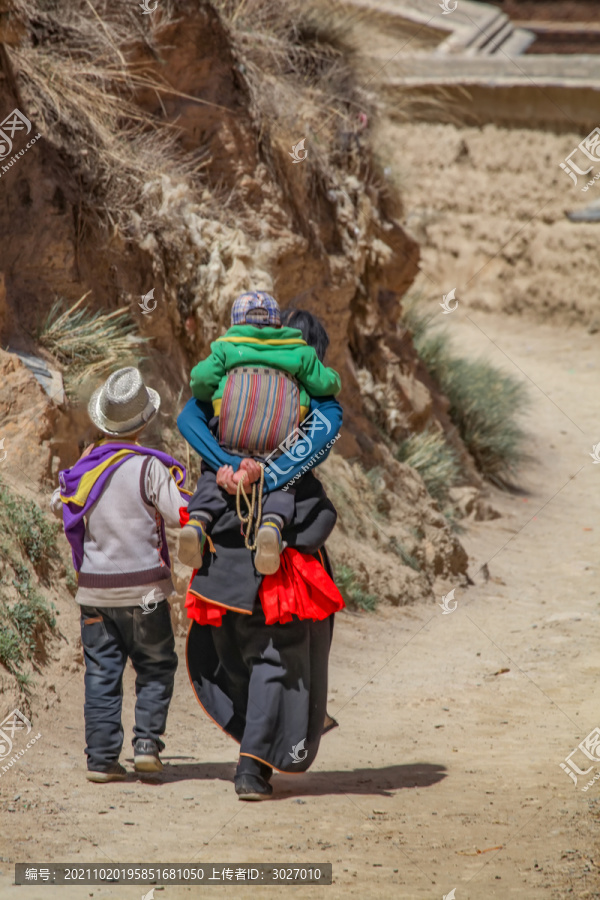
(437, 757)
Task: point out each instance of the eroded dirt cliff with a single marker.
(165, 163)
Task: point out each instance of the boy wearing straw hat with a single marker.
(115, 502)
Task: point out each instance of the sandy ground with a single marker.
(439, 760)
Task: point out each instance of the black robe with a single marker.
(264, 685)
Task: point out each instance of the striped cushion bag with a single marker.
(259, 409)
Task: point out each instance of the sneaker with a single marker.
(112, 772)
(145, 756)
(269, 547)
(191, 544)
(252, 787)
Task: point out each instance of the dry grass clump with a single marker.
(79, 73)
(79, 69)
(308, 46)
(79, 82)
(429, 453)
(89, 343)
(301, 63)
(486, 404)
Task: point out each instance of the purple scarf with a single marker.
(83, 483)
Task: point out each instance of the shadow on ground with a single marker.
(314, 784)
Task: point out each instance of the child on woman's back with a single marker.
(260, 377)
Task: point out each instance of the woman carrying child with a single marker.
(258, 645)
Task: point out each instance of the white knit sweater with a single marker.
(121, 550)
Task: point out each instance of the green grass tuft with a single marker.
(25, 681)
(407, 558)
(71, 581)
(434, 460)
(21, 620)
(355, 596)
(24, 613)
(25, 522)
(485, 403)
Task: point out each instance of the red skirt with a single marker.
(301, 587)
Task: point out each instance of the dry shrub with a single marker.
(487, 405)
(302, 64)
(77, 69)
(429, 453)
(89, 343)
(79, 86)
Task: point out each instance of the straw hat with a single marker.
(123, 404)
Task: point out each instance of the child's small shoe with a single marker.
(269, 547)
(191, 544)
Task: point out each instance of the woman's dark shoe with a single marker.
(252, 779)
(329, 724)
(252, 787)
(266, 771)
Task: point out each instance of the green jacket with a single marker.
(278, 348)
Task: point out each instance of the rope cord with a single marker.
(251, 520)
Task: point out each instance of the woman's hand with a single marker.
(251, 468)
(228, 479)
(225, 479)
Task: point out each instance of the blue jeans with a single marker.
(110, 636)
